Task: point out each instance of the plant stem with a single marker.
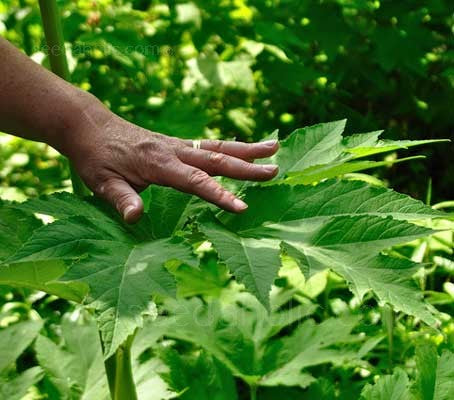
(444, 204)
(253, 392)
(118, 367)
(110, 366)
(59, 65)
(388, 322)
(119, 372)
(125, 388)
(429, 192)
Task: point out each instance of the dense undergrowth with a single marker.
(331, 285)
(312, 249)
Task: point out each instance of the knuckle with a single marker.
(146, 146)
(216, 159)
(156, 168)
(197, 178)
(253, 169)
(219, 193)
(216, 145)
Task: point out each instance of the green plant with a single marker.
(433, 381)
(13, 341)
(235, 69)
(58, 61)
(380, 64)
(87, 254)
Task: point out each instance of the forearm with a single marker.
(115, 158)
(38, 105)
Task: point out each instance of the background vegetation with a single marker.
(237, 68)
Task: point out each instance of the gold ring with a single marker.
(196, 144)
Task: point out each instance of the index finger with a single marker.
(195, 181)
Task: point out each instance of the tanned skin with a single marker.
(115, 158)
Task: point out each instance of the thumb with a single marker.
(124, 198)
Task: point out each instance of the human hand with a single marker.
(117, 159)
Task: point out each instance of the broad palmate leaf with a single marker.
(121, 265)
(342, 225)
(319, 152)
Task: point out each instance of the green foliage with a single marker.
(13, 341)
(91, 256)
(242, 335)
(237, 68)
(198, 376)
(75, 369)
(388, 387)
(313, 248)
(434, 380)
(121, 265)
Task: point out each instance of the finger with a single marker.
(221, 164)
(195, 181)
(124, 198)
(246, 151)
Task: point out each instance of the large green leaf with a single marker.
(332, 198)
(253, 261)
(16, 227)
(339, 225)
(43, 276)
(320, 152)
(169, 209)
(122, 266)
(317, 173)
(306, 147)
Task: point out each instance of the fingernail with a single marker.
(270, 168)
(128, 211)
(269, 143)
(239, 204)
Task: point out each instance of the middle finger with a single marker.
(222, 164)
